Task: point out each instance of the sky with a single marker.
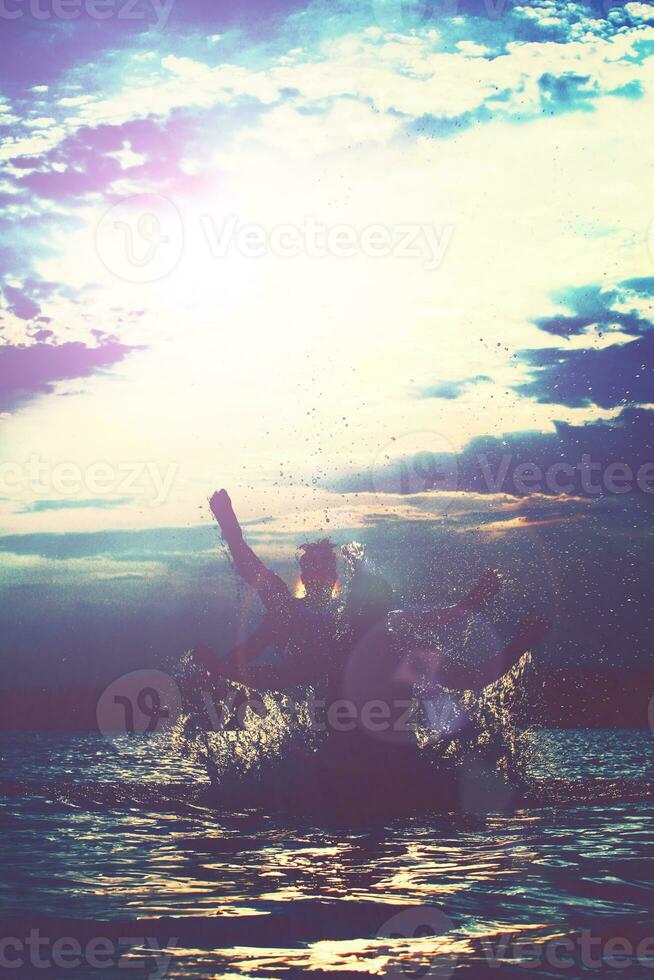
(384, 270)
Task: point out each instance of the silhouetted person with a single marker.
(304, 629)
(360, 653)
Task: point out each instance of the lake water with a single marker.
(117, 875)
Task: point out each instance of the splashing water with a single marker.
(254, 746)
(492, 734)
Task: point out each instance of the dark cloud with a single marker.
(643, 285)
(608, 377)
(26, 371)
(564, 326)
(618, 374)
(88, 161)
(33, 291)
(98, 628)
(83, 163)
(41, 50)
(573, 460)
(627, 439)
(20, 304)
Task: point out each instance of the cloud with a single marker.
(610, 376)
(579, 462)
(621, 306)
(39, 506)
(566, 91)
(628, 439)
(644, 285)
(606, 376)
(55, 44)
(92, 158)
(152, 544)
(20, 304)
(25, 301)
(639, 12)
(27, 371)
(454, 389)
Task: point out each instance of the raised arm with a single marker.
(479, 598)
(531, 631)
(463, 677)
(271, 588)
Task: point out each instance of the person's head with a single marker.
(318, 570)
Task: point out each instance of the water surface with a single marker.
(245, 894)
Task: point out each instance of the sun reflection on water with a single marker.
(248, 894)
